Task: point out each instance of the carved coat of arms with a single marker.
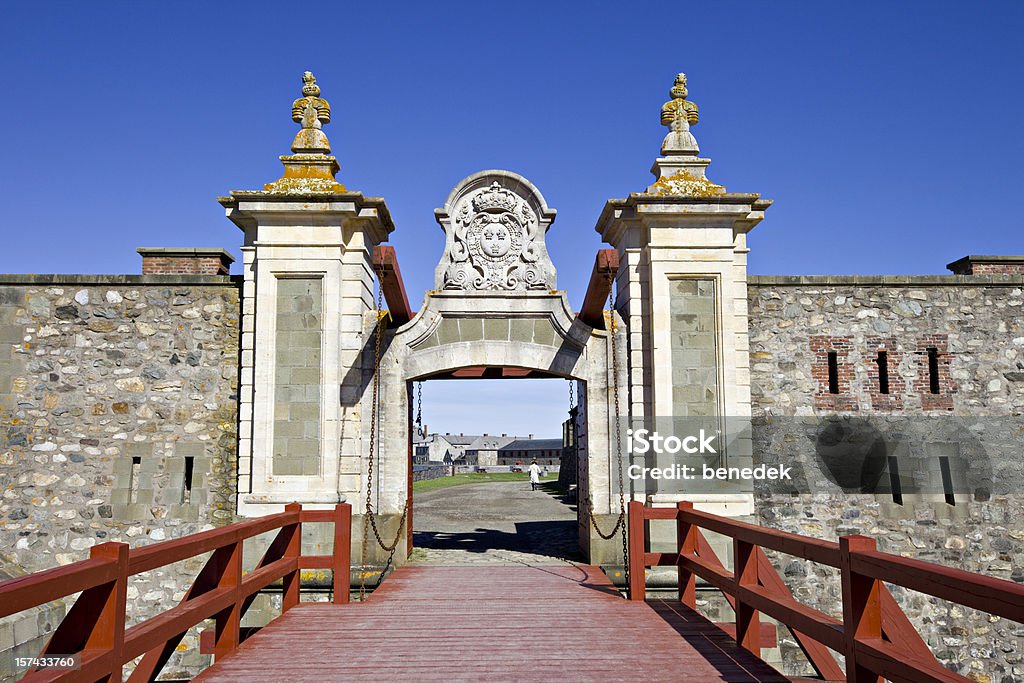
(495, 237)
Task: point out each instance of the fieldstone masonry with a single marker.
(975, 322)
(111, 385)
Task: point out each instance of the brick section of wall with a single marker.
(922, 383)
(988, 265)
(897, 384)
(167, 261)
(997, 269)
(821, 346)
(179, 265)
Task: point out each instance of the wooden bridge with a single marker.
(502, 623)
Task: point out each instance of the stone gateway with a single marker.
(146, 407)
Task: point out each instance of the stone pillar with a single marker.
(682, 290)
(307, 297)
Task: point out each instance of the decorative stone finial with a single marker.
(679, 114)
(311, 169)
(679, 171)
(311, 111)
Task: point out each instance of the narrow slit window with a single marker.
(947, 479)
(883, 372)
(833, 372)
(186, 493)
(133, 481)
(894, 480)
(933, 370)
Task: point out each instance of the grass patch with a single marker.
(476, 478)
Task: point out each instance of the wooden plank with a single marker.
(385, 263)
(817, 625)
(819, 656)
(602, 279)
(986, 593)
(896, 627)
(543, 623)
(48, 585)
(814, 549)
(897, 666)
(167, 552)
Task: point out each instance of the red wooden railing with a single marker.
(94, 628)
(874, 635)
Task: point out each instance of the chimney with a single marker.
(988, 265)
(171, 261)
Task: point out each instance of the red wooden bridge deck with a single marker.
(490, 623)
(502, 623)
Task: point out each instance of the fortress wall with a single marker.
(117, 419)
(975, 323)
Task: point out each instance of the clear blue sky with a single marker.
(888, 134)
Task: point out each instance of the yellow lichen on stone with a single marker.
(303, 186)
(685, 183)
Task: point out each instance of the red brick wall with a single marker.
(922, 384)
(821, 345)
(183, 265)
(997, 268)
(897, 385)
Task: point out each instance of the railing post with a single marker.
(686, 543)
(108, 631)
(290, 582)
(862, 607)
(748, 623)
(637, 568)
(228, 623)
(342, 552)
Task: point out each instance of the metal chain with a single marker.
(419, 408)
(369, 516)
(572, 394)
(620, 522)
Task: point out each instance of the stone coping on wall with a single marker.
(100, 280)
(885, 280)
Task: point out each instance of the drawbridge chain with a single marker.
(369, 516)
(620, 521)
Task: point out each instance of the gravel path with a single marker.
(503, 523)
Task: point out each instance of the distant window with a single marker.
(947, 479)
(133, 483)
(883, 372)
(186, 494)
(894, 480)
(933, 369)
(833, 373)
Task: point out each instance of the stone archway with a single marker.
(499, 311)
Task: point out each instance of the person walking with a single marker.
(534, 475)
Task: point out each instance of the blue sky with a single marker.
(886, 133)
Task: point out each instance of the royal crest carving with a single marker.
(495, 236)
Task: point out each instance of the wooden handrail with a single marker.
(875, 636)
(94, 627)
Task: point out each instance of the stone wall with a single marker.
(118, 411)
(975, 327)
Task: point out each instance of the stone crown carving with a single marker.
(495, 223)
